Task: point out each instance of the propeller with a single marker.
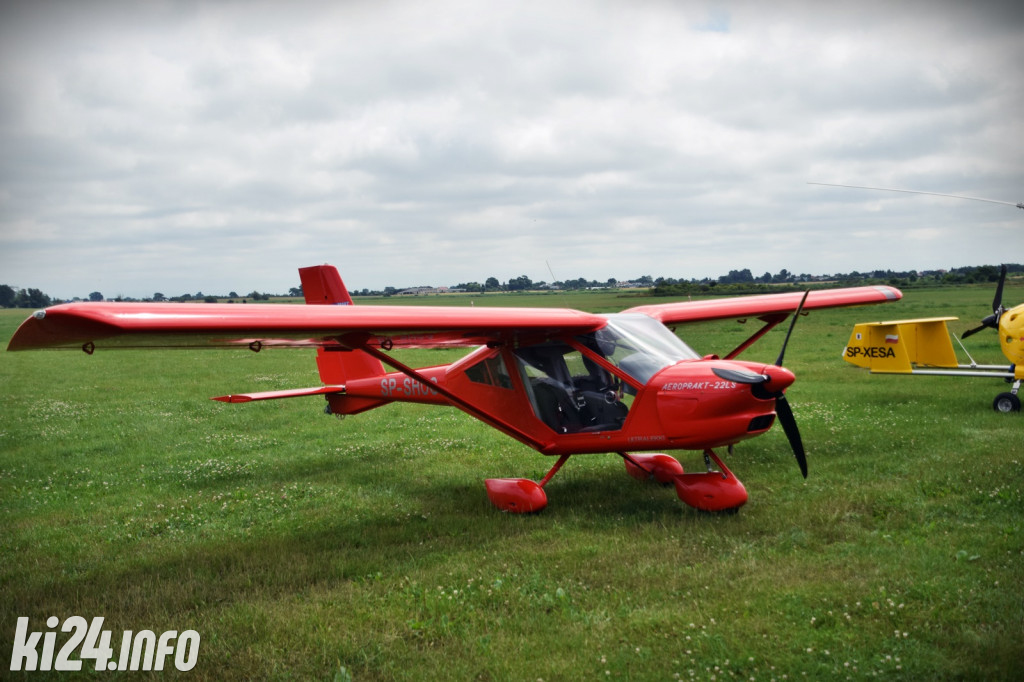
(992, 321)
(782, 408)
(758, 385)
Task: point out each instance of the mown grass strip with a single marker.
(301, 547)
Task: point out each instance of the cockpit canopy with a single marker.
(638, 345)
(572, 389)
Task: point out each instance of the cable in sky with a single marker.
(913, 191)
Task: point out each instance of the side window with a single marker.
(569, 392)
(491, 371)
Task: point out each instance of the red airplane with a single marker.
(562, 381)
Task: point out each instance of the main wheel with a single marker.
(1006, 402)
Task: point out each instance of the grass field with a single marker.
(302, 547)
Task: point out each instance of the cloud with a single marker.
(184, 146)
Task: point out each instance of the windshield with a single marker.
(638, 345)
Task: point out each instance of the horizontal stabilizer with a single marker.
(274, 395)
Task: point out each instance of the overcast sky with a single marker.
(216, 146)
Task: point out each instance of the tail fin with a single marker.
(322, 285)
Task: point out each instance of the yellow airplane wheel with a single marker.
(1006, 402)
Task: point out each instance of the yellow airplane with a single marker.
(923, 346)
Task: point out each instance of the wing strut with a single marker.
(770, 322)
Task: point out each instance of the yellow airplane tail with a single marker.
(897, 347)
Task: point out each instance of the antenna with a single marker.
(912, 191)
(552, 272)
(553, 279)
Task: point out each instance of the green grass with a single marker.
(302, 547)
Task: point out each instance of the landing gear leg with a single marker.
(521, 495)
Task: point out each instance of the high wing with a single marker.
(91, 326)
(765, 306)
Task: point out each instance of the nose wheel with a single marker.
(712, 491)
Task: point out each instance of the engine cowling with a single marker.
(697, 405)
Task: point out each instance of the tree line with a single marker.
(743, 281)
(23, 298)
(735, 282)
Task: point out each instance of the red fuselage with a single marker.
(684, 405)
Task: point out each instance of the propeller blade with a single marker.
(740, 376)
(997, 302)
(992, 321)
(788, 421)
(782, 353)
(970, 332)
(782, 408)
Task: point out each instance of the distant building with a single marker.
(422, 291)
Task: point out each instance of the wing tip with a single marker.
(890, 293)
